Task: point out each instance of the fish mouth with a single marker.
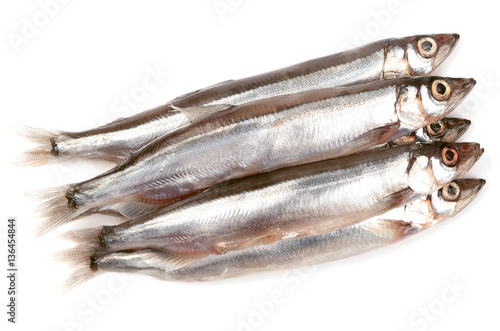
(460, 88)
(469, 189)
(455, 128)
(468, 155)
(446, 42)
(470, 186)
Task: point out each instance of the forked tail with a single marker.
(79, 261)
(88, 259)
(45, 152)
(55, 208)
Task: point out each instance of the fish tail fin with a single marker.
(55, 207)
(79, 260)
(33, 158)
(80, 275)
(36, 135)
(45, 152)
(88, 259)
(89, 242)
(88, 238)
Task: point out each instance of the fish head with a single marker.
(448, 129)
(443, 203)
(424, 100)
(417, 55)
(433, 165)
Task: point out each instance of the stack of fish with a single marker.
(289, 168)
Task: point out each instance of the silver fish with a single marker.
(385, 59)
(446, 130)
(293, 202)
(257, 137)
(376, 232)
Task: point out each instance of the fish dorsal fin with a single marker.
(198, 113)
(191, 94)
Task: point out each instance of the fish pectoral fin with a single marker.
(396, 227)
(132, 208)
(169, 261)
(198, 113)
(398, 199)
(384, 134)
(111, 158)
(401, 227)
(265, 239)
(374, 137)
(377, 136)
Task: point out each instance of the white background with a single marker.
(71, 73)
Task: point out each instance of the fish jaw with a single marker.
(424, 100)
(446, 207)
(448, 129)
(421, 60)
(436, 164)
(439, 205)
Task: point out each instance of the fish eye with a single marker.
(435, 129)
(451, 191)
(440, 89)
(449, 156)
(427, 46)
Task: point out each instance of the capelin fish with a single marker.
(376, 232)
(385, 59)
(446, 130)
(292, 202)
(258, 137)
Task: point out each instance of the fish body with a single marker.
(376, 232)
(446, 130)
(293, 202)
(258, 137)
(385, 59)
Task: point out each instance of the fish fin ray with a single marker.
(133, 208)
(395, 226)
(401, 228)
(79, 261)
(78, 276)
(53, 207)
(89, 236)
(170, 261)
(196, 114)
(40, 155)
(33, 158)
(79, 258)
(74, 256)
(388, 133)
(264, 239)
(398, 199)
(192, 93)
(374, 137)
(115, 159)
(36, 135)
(56, 217)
